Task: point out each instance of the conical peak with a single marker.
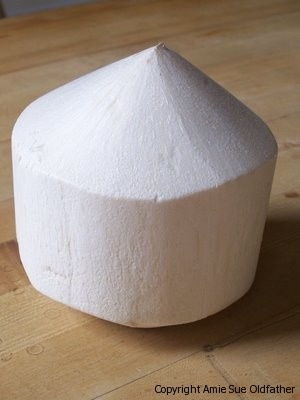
(159, 50)
(150, 126)
(158, 60)
(156, 50)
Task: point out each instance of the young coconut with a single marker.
(141, 192)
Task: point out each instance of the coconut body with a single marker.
(146, 208)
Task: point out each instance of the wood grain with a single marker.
(50, 351)
(7, 223)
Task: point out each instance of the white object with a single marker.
(141, 192)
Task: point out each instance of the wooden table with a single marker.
(49, 351)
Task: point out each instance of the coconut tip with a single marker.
(160, 45)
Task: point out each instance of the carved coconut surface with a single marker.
(141, 192)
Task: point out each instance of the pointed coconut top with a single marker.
(151, 126)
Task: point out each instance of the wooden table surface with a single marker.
(49, 351)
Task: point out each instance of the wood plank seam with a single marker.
(146, 375)
(212, 357)
(290, 313)
(220, 369)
